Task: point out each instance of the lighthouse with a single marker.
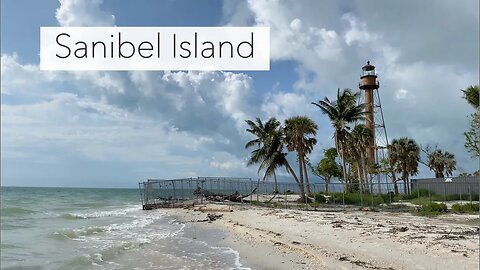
(369, 84)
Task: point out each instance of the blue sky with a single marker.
(114, 129)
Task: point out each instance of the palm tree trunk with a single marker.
(395, 185)
(360, 185)
(342, 156)
(306, 177)
(275, 188)
(300, 167)
(327, 181)
(300, 184)
(365, 172)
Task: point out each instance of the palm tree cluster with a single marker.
(270, 140)
(403, 156)
(350, 144)
(352, 141)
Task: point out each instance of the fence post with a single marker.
(461, 201)
(470, 192)
(361, 193)
(251, 191)
(429, 195)
(418, 194)
(201, 195)
(258, 188)
(444, 192)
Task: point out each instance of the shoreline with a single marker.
(269, 238)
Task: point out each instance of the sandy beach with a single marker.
(292, 239)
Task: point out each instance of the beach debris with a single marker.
(210, 217)
(398, 229)
(296, 243)
(337, 223)
(219, 197)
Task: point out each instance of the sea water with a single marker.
(79, 228)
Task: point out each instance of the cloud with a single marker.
(422, 64)
(83, 13)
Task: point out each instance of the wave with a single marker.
(16, 211)
(78, 233)
(101, 214)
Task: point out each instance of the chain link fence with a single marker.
(157, 193)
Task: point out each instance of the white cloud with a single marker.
(358, 31)
(420, 69)
(83, 13)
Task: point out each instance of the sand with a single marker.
(293, 239)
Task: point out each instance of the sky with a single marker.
(115, 129)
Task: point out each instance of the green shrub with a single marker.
(320, 198)
(420, 201)
(356, 198)
(433, 209)
(465, 208)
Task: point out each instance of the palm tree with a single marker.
(471, 94)
(265, 141)
(440, 162)
(297, 132)
(404, 154)
(359, 140)
(390, 165)
(269, 152)
(342, 112)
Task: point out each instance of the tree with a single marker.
(328, 167)
(472, 95)
(269, 153)
(442, 163)
(358, 142)
(472, 136)
(298, 130)
(404, 155)
(342, 112)
(269, 147)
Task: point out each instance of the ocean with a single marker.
(86, 228)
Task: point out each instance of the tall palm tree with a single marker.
(342, 112)
(440, 162)
(404, 154)
(267, 137)
(298, 130)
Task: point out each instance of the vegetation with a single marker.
(442, 163)
(465, 208)
(432, 209)
(358, 142)
(297, 137)
(472, 136)
(352, 140)
(342, 112)
(328, 167)
(472, 95)
(404, 155)
(269, 152)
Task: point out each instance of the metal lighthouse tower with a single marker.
(376, 150)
